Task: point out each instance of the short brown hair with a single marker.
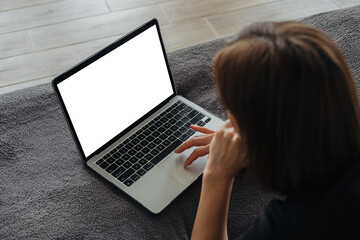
(293, 96)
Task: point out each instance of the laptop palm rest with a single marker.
(174, 167)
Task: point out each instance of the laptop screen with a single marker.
(110, 94)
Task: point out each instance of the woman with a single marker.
(294, 123)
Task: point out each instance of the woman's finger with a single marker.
(201, 129)
(227, 124)
(198, 152)
(194, 142)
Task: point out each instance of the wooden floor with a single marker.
(41, 38)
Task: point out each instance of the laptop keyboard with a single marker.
(140, 152)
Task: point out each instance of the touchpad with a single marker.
(174, 167)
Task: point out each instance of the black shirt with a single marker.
(327, 214)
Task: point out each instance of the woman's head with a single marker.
(292, 95)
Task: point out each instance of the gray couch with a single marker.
(47, 192)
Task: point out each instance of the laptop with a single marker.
(126, 118)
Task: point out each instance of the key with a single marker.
(166, 151)
(118, 172)
(111, 168)
(126, 174)
(128, 182)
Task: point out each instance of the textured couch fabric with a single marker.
(46, 191)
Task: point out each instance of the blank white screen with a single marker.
(113, 92)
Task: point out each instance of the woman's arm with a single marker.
(226, 159)
(211, 217)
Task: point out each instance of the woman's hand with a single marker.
(201, 140)
(226, 153)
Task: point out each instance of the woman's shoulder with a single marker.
(332, 212)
